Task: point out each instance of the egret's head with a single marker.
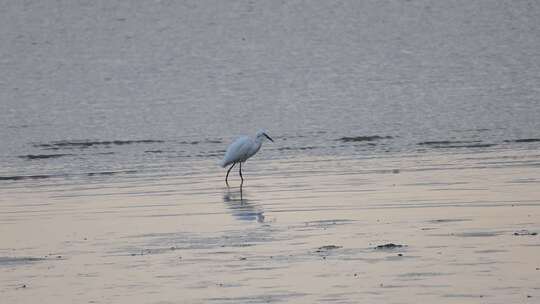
(262, 134)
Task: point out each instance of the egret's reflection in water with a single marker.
(240, 207)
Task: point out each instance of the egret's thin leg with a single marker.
(227, 176)
(241, 173)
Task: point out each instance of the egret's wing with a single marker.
(237, 151)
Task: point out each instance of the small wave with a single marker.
(43, 156)
(522, 140)
(364, 138)
(86, 144)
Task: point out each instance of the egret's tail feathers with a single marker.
(222, 163)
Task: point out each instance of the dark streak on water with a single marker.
(296, 148)
(43, 156)
(22, 177)
(524, 140)
(86, 144)
(364, 138)
(445, 142)
(464, 146)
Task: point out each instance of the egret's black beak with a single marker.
(268, 137)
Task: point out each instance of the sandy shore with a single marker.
(301, 230)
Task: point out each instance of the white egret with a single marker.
(241, 149)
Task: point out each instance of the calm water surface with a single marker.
(96, 88)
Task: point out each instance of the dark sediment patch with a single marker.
(87, 144)
(364, 138)
(266, 298)
(389, 246)
(479, 234)
(449, 220)
(327, 223)
(490, 251)
(422, 274)
(43, 156)
(327, 248)
(13, 261)
(463, 296)
(522, 140)
(525, 232)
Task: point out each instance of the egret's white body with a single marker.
(241, 149)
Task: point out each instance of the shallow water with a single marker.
(289, 235)
(405, 122)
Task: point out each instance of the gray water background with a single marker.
(112, 88)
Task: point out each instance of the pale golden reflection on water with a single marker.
(290, 235)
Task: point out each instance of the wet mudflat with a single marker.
(438, 228)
